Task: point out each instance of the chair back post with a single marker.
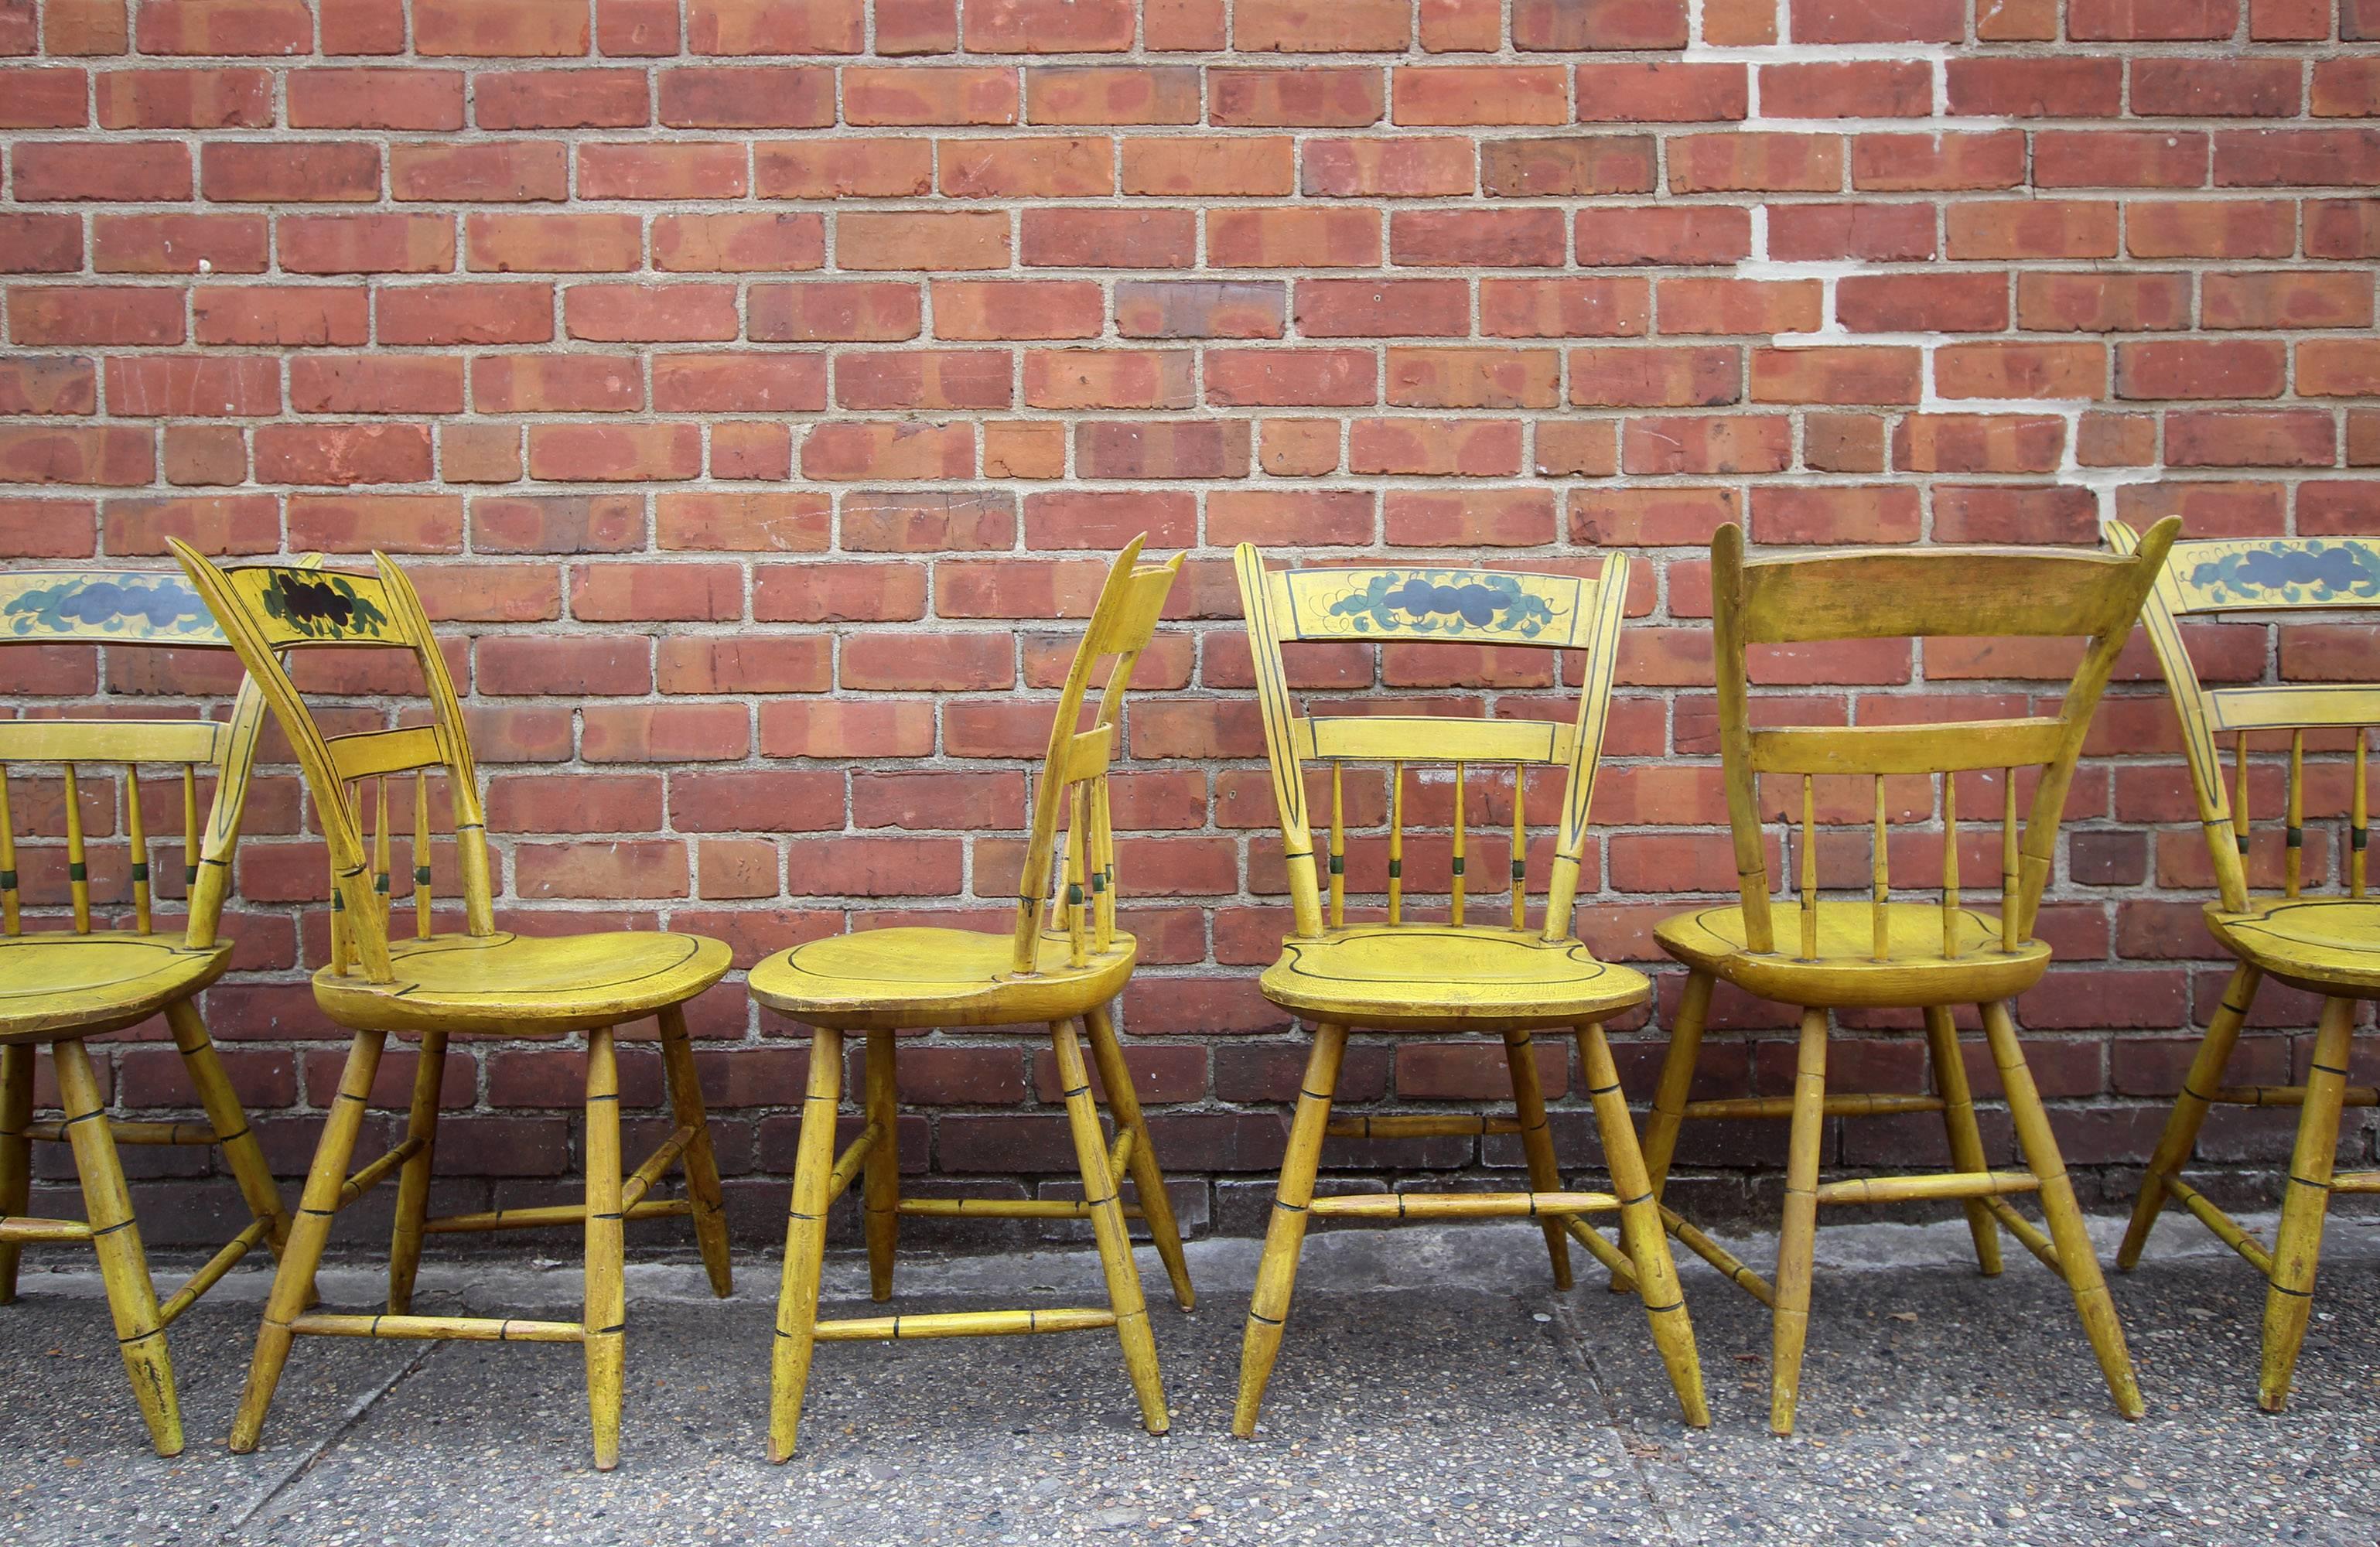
(1075, 769)
(1586, 756)
(454, 745)
(2110, 634)
(1281, 744)
(208, 878)
(1735, 738)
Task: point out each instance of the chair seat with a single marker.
(876, 980)
(56, 984)
(1436, 977)
(1845, 973)
(524, 985)
(2328, 945)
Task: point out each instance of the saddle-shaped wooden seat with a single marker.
(920, 975)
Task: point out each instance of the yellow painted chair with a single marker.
(63, 985)
(877, 983)
(1454, 975)
(2327, 944)
(480, 983)
(1826, 954)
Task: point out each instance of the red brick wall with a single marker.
(743, 376)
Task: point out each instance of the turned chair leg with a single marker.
(1538, 1141)
(228, 1119)
(797, 1294)
(1669, 1112)
(310, 1231)
(2078, 1263)
(123, 1267)
(605, 1319)
(1147, 1177)
(700, 1161)
(413, 1179)
(880, 1182)
(2298, 1246)
(16, 1152)
(1965, 1136)
(1797, 1239)
(1108, 1228)
(1285, 1235)
(2190, 1109)
(1641, 1232)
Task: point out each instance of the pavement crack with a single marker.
(304, 1462)
(1570, 1339)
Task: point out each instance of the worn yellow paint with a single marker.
(1061, 964)
(62, 986)
(1452, 976)
(1822, 954)
(2324, 943)
(482, 982)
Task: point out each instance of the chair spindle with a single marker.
(1078, 838)
(422, 854)
(1396, 841)
(190, 840)
(381, 865)
(1879, 920)
(1455, 880)
(1949, 865)
(2359, 832)
(8, 862)
(2240, 797)
(2008, 859)
(78, 863)
(1809, 869)
(1338, 850)
(341, 959)
(137, 836)
(1519, 851)
(1103, 892)
(2295, 864)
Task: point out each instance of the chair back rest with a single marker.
(1412, 604)
(264, 609)
(143, 610)
(2267, 577)
(1075, 773)
(1915, 593)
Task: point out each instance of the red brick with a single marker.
(280, 314)
(1496, 238)
(259, 27)
(66, 384)
(993, 309)
(1835, 374)
(39, 243)
(2216, 87)
(1750, 162)
(2284, 158)
(1088, 95)
(178, 244)
(682, 171)
(493, 312)
(2115, 158)
(738, 381)
(787, 96)
(376, 385)
(341, 454)
(94, 315)
(2032, 229)
(2102, 302)
(1297, 377)
(832, 311)
(856, 451)
(153, 99)
(2277, 438)
(1872, 21)
(1978, 444)
(518, 29)
(359, 523)
(879, 380)
(557, 383)
(1407, 168)
(2201, 368)
(845, 169)
(1862, 88)
(739, 243)
(1658, 234)
(1924, 163)
(2150, 20)
(1289, 237)
(917, 95)
(614, 452)
(1598, 24)
(1481, 94)
(1704, 376)
(289, 172)
(120, 456)
(621, 313)
(1307, 97)
(774, 26)
(1190, 166)
(1738, 306)
(369, 97)
(2081, 87)
(366, 243)
(143, 171)
(1322, 27)
(552, 243)
(929, 241)
(508, 171)
(636, 27)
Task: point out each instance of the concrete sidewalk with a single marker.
(1432, 1389)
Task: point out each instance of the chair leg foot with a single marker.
(797, 1293)
(293, 1279)
(1640, 1227)
(700, 1161)
(2076, 1259)
(16, 1152)
(1285, 1235)
(2189, 1108)
(606, 1320)
(1147, 1176)
(2297, 1248)
(1797, 1239)
(123, 1267)
(1965, 1136)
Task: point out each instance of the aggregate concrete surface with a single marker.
(1432, 1388)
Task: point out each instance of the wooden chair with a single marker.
(2327, 944)
(62, 986)
(482, 982)
(1449, 975)
(880, 982)
(1822, 953)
